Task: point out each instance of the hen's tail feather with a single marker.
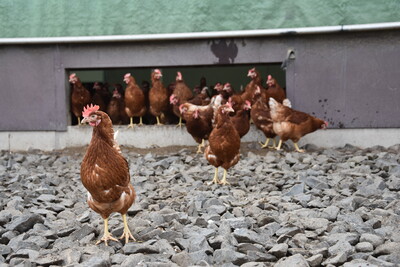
(116, 145)
(287, 103)
(273, 104)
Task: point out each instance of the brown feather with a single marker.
(158, 97)
(135, 103)
(224, 142)
(105, 172)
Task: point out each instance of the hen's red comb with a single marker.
(127, 75)
(157, 71)
(72, 75)
(269, 77)
(89, 109)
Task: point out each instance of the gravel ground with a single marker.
(325, 207)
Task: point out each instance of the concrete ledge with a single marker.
(168, 135)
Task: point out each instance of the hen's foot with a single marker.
(215, 180)
(224, 181)
(265, 144)
(199, 151)
(127, 233)
(106, 237)
(131, 126)
(298, 149)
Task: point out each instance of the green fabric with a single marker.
(53, 18)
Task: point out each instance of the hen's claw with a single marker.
(224, 181)
(106, 238)
(215, 179)
(127, 233)
(298, 149)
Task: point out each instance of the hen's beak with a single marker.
(85, 120)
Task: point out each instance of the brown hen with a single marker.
(224, 146)
(158, 96)
(80, 97)
(292, 124)
(105, 173)
(198, 122)
(135, 102)
(182, 93)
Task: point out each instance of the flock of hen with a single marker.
(222, 120)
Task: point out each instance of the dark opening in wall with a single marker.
(236, 75)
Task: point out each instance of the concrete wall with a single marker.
(350, 79)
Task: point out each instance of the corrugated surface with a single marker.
(43, 18)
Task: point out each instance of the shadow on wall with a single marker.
(226, 52)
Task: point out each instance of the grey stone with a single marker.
(24, 223)
(352, 238)
(47, 260)
(229, 256)
(195, 243)
(341, 247)
(253, 264)
(260, 256)
(359, 263)
(364, 247)
(288, 231)
(5, 250)
(71, 256)
(279, 250)
(330, 213)
(296, 190)
(82, 232)
(315, 260)
(145, 248)
(96, 262)
(337, 259)
(243, 235)
(293, 261)
(380, 263)
(387, 248)
(187, 259)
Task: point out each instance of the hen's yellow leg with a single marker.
(200, 146)
(141, 121)
(215, 180)
(127, 233)
(131, 123)
(224, 181)
(266, 143)
(158, 121)
(279, 145)
(274, 145)
(297, 148)
(107, 235)
(79, 121)
(179, 123)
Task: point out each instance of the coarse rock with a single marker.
(364, 247)
(375, 240)
(294, 261)
(359, 263)
(228, 256)
(326, 207)
(279, 250)
(24, 223)
(315, 260)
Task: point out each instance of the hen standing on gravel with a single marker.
(105, 173)
(224, 143)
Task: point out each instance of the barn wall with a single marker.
(350, 79)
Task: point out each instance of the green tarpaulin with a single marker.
(54, 18)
